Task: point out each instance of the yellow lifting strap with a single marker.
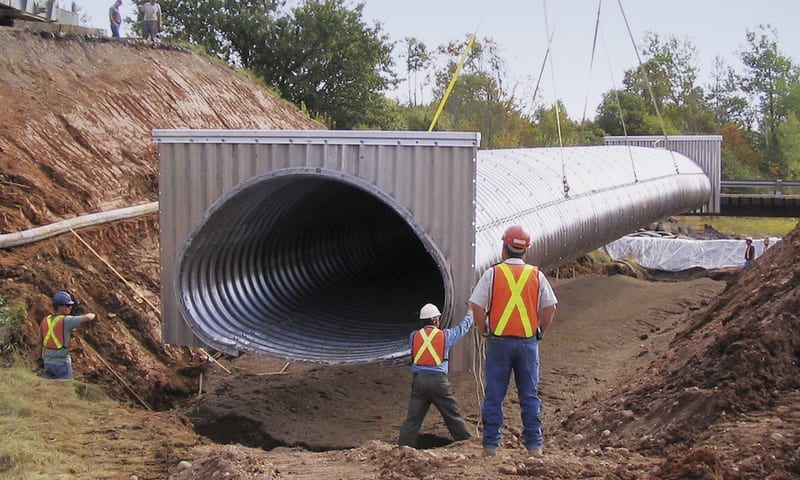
(427, 345)
(515, 301)
(452, 83)
(51, 332)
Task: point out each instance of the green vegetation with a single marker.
(11, 318)
(35, 415)
(751, 226)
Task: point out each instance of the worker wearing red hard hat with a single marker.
(513, 305)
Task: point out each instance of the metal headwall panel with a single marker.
(313, 245)
(574, 200)
(322, 245)
(705, 150)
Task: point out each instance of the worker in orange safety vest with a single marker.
(521, 304)
(56, 329)
(430, 349)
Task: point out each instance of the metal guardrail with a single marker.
(777, 187)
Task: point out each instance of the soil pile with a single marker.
(696, 378)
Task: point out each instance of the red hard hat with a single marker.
(516, 237)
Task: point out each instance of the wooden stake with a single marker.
(214, 360)
(283, 370)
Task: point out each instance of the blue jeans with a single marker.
(504, 355)
(58, 372)
(115, 30)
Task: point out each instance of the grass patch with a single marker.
(756, 227)
(39, 420)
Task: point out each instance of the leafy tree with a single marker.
(320, 55)
(788, 137)
(418, 59)
(739, 160)
(671, 74)
(323, 56)
(726, 99)
(768, 79)
(479, 100)
(228, 29)
(547, 127)
(631, 120)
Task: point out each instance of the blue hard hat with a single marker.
(62, 298)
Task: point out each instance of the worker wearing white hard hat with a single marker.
(430, 349)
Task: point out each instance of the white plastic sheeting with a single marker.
(677, 254)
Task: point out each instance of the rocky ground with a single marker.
(696, 378)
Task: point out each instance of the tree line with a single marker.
(324, 57)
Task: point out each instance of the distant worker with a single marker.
(430, 350)
(56, 331)
(749, 252)
(520, 304)
(114, 18)
(766, 244)
(152, 20)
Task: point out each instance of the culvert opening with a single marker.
(309, 265)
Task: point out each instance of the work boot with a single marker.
(535, 452)
(489, 451)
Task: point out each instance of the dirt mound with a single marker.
(738, 358)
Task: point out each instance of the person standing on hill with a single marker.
(151, 24)
(430, 349)
(749, 252)
(114, 18)
(520, 304)
(56, 329)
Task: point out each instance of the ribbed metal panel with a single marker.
(317, 246)
(705, 150)
(612, 191)
(322, 246)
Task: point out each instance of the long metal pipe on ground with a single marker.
(310, 265)
(8, 240)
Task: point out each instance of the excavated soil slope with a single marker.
(695, 378)
(75, 138)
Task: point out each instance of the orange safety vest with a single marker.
(53, 332)
(427, 346)
(514, 308)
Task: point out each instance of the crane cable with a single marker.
(555, 103)
(643, 71)
(621, 116)
(591, 60)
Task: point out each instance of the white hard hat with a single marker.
(749, 239)
(429, 310)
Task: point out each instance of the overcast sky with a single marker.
(715, 27)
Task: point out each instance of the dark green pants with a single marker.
(427, 389)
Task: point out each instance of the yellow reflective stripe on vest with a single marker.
(515, 301)
(51, 333)
(427, 345)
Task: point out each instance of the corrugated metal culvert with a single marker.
(322, 246)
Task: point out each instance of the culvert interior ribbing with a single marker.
(309, 267)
